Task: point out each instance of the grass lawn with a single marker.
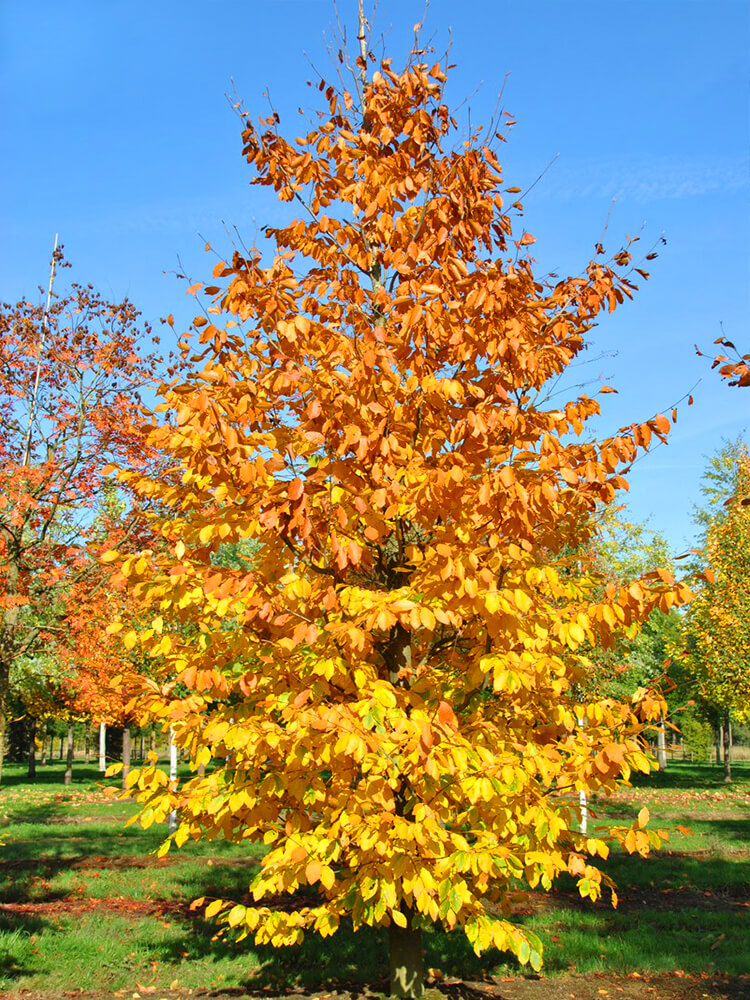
(84, 904)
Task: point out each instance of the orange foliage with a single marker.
(386, 679)
(69, 405)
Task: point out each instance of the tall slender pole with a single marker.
(38, 372)
(661, 745)
(172, 776)
(102, 747)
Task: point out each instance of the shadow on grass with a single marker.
(17, 943)
(673, 870)
(16, 776)
(355, 961)
(695, 777)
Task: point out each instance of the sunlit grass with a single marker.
(90, 903)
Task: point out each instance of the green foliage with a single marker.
(718, 483)
(716, 628)
(697, 734)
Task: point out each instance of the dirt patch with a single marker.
(633, 899)
(571, 987)
(69, 907)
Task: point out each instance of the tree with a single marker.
(716, 628)
(98, 682)
(386, 687)
(70, 375)
(622, 551)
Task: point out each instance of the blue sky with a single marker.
(117, 134)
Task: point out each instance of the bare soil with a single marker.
(571, 987)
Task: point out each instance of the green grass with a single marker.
(90, 903)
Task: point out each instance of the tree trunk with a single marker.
(68, 779)
(8, 637)
(4, 693)
(407, 968)
(661, 745)
(32, 748)
(583, 805)
(102, 747)
(726, 730)
(140, 746)
(87, 743)
(126, 753)
(172, 777)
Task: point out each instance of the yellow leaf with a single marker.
(312, 871)
(236, 915)
(643, 817)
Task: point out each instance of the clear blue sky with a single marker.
(116, 132)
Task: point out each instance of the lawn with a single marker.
(85, 904)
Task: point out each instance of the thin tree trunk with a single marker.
(87, 743)
(583, 800)
(32, 749)
(8, 642)
(13, 545)
(172, 777)
(726, 730)
(102, 747)
(661, 745)
(4, 693)
(140, 745)
(406, 956)
(407, 969)
(126, 753)
(68, 780)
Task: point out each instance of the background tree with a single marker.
(70, 377)
(387, 689)
(716, 628)
(99, 674)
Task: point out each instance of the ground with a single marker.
(87, 911)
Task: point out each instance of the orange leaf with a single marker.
(447, 716)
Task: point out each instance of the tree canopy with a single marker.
(385, 683)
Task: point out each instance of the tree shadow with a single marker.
(53, 774)
(353, 961)
(681, 775)
(17, 928)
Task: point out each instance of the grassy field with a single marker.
(85, 904)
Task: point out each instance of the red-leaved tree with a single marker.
(70, 376)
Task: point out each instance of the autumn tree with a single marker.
(70, 376)
(716, 628)
(386, 688)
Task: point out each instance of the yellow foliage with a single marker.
(385, 678)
